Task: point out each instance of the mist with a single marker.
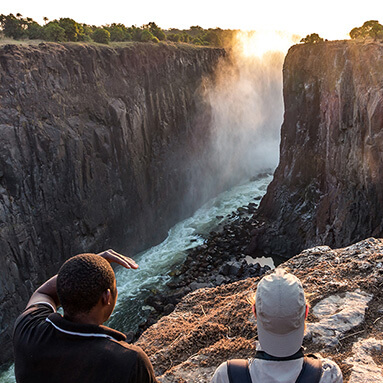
(246, 104)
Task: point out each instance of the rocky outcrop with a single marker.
(345, 322)
(100, 147)
(220, 260)
(327, 187)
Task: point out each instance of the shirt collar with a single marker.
(85, 330)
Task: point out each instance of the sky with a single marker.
(331, 19)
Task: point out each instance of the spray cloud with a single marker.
(247, 107)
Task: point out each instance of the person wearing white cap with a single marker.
(280, 308)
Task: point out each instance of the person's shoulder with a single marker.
(331, 372)
(141, 369)
(125, 346)
(37, 312)
(220, 374)
(32, 318)
(133, 352)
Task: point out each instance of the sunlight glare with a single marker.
(257, 44)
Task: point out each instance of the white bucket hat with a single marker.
(281, 312)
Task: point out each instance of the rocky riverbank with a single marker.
(222, 259)
(211, 325)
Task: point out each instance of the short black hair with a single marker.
(81, 281)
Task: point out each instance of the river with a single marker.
(156, 263)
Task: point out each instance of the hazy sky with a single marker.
(332, 19)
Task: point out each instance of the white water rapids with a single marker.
(157, 262)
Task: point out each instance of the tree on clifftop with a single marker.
(155, 30)
(101, 35)
(53, 32)
(13, 26)
(20, 28)
(71, 28)
(312, 39)
(370, 28)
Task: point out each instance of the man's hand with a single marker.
(48, 291)
(113, 257)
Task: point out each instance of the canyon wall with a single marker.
(100, 147)
(327, 189)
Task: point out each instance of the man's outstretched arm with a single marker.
(47, 292)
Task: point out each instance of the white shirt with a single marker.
(269, 371)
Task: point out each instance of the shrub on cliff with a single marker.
(101, 35)
(175, 37)
(118, 32)
(212, 38)
(185, 38)
(53, 32)
(86, 33)
(370, 28)
(314, 38)
(71, 28)
(160, 34)
(135, 33)
(155, 30)
(35, 31)
(146, 36)
(199, 41)
(195, 30)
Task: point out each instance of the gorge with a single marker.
(114, 151)
(325, 193)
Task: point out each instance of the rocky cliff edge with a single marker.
(345, 322)
(327, 187)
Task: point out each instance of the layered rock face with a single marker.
(97, 151)
(327, 188)
(345, 323)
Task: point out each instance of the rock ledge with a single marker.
(345, 322)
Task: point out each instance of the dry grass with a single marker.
(8, 40)
(118, 44)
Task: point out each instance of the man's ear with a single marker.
(106, 298)
(307, 311)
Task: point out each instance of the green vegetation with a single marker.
(53, 32)
(370, 29)
(314, 38)
(66, 29)
(101, 35)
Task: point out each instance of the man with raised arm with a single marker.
(76, 347)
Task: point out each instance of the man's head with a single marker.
(281, 312)
(81, 282)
